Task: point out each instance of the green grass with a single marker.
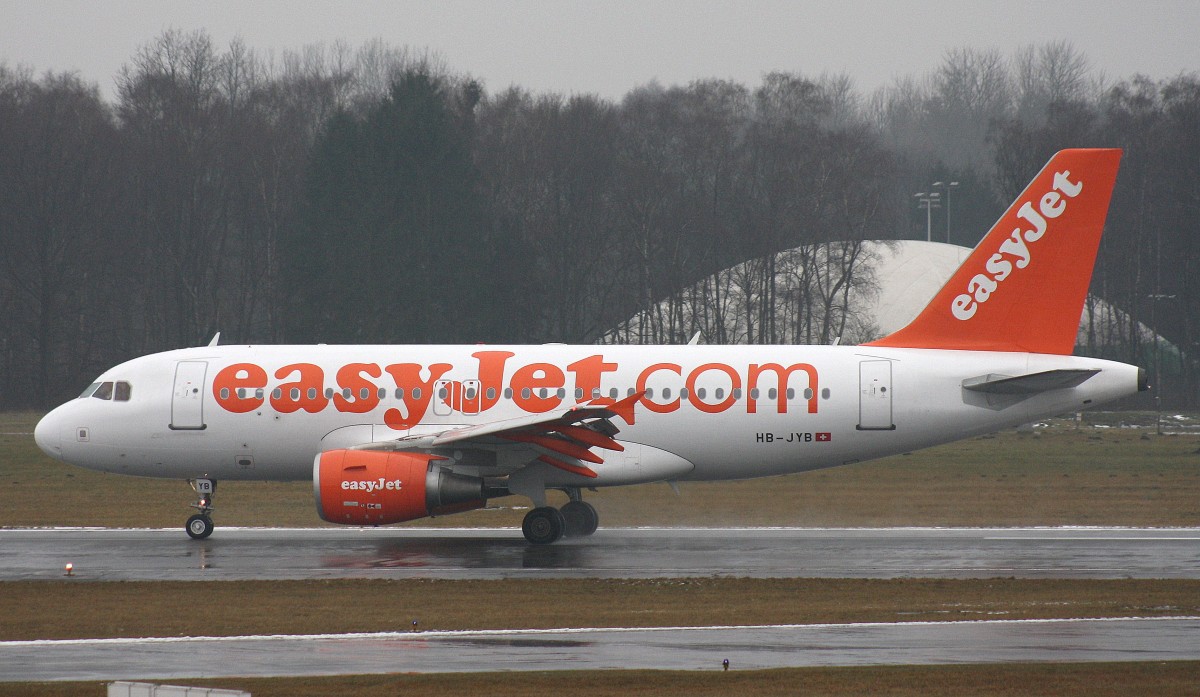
(1055, 476)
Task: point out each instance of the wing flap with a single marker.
(563, 439)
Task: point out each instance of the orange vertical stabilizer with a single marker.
(1023, 287)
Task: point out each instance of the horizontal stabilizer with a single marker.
(1028, 384)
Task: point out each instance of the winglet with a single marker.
(1023, 287)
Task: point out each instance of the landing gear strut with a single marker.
(200, 525)
(546, 524)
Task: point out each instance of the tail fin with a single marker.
(1023, 287)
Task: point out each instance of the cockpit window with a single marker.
(122, 391)
(105, 391)
(89, 390)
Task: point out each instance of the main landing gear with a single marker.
(200, 525)
(546, 524)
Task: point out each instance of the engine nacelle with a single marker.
(371, 487)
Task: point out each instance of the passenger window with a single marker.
(524, 393)
(508, 393)
(346, 393)
(753, 393)
(364, 393)
(328, 393)
(442, 393)
(416, 393)
(595, 393)
(772, 393)
(491, 393)
(561, 393)
(791, 393)
(399, 393)
(277, 393)
(258, 394)
(683, 393)
(700, 393)
(382, 393)
(737, 393)
(296, 394)
(122, 392)
(825, 393)
(719, 392)
(612, 393)
(224, 393)
(808, 393)
(649, 393)
(312, 393)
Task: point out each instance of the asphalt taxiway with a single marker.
(266, 554)
(590, 649)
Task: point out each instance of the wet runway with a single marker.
(258, 553)
(589, 649)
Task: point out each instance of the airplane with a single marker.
(389, 434)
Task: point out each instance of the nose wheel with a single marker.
(200, 525)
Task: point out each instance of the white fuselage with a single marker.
(721, 412)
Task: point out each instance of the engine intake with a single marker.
(370, 487)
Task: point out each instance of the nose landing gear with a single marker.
(200, 525)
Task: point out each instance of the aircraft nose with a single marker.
(48, 434)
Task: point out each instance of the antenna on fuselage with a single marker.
(215, 340)
(695, 340)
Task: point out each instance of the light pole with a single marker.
(929, 201)
(1154, 298)
(948, 187)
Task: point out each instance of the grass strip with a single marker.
(1162, 679)
(70, 609)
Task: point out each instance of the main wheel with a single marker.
(543, 525)
(582, 519)
(199, 527)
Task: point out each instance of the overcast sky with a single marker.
(608, 48)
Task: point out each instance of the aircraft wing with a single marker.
(564, 439)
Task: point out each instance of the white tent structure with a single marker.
(897, 279)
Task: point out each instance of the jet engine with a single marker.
(371, 487)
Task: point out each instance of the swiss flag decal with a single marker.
(824, 437)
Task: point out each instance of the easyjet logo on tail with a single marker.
(1015, 250)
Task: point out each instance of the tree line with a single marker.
(371, 194)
